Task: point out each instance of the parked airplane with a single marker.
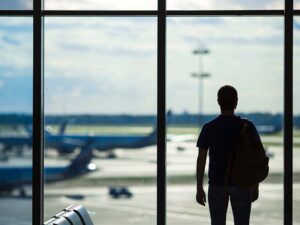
(14, 142)
(66, 144)
(14, 177)
(103, 143)
(268, 129)
(261, 129)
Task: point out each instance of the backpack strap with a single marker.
(244, 126)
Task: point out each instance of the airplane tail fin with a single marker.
(28, 129)
(62, 128)
(153, 136)
(81, 164)
(151, 139)
(169, 116)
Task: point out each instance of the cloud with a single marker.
(109, 65)
(224, 4)
(16, 94)
(16, 4)
(102, 65)
(101, 4)
(16, 43)
(10, 40)
(243, 52)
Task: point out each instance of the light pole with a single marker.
(201, 75)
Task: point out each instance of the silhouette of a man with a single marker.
(218, 137)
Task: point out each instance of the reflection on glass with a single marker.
(296, 132)
(16, 4)
(224, 5)
(100, 5)
(100, 113)
(203, 55)
(15, 120)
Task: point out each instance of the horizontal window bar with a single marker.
(296, 12)
(147, 12)
(16, 13)
(225, 12)
(99, 13)
(170, 13)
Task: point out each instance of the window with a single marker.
(296, 124)
(238, 52)
(67, 43)
(100, 82)
(15, 119)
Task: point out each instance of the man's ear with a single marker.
(237, 101)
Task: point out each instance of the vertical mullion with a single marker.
(161, 115)
(288, 113)
(38, 119)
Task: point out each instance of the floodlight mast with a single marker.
(201, 75)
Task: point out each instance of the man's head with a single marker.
(227, 98)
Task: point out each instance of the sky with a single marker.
(108, 65)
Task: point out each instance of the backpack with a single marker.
(248, 163)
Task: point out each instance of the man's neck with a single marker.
(227, 113)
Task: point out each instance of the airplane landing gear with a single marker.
(111, 155)
(22, 192)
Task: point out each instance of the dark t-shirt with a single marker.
(219, 136)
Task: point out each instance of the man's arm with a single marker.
(254, 192)
(201, 161)
(255, 188)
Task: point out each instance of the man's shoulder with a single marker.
(251, 126)
(245, 120)
(220, 119)
(211, 122)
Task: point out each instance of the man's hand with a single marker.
(254, 193)
(201, 197)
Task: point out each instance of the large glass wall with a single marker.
(100, 114)
(204, 54)
(100, 106)
(296, 133)
(15, 120)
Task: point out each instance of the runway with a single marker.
(141, 209)
(136, 169)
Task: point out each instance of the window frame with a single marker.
(38, 14)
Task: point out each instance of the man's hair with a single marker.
(227, 98)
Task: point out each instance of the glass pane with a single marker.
(100, 108)
(15, 120)
(224, 5)
(16, 4)
(203, 55)
(296, 4)
(296, 134)
(100, 5)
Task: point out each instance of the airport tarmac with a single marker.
(136, 169)
(141, 209)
